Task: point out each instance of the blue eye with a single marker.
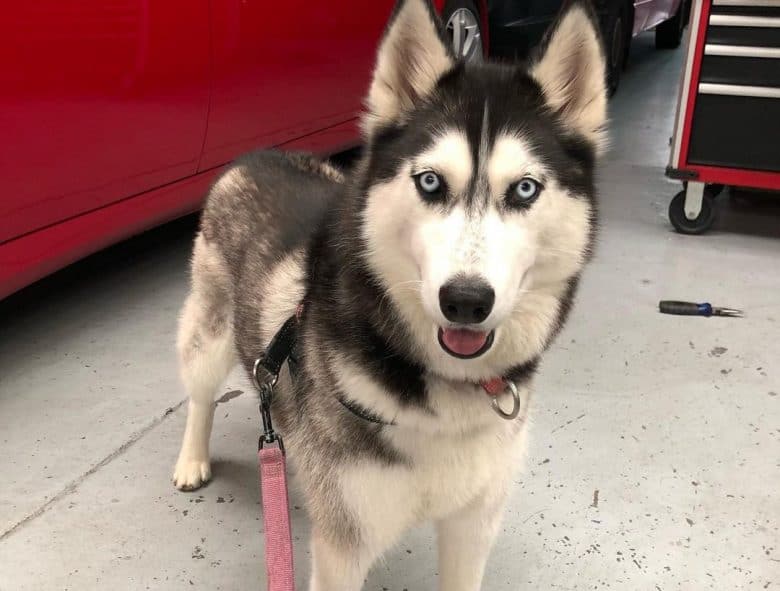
(523, 192)
(429, 184)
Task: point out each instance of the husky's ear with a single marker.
(570, 67)
(413, 55)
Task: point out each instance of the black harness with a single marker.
(284, 347)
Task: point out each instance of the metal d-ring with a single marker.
(271, 378)
(516, 403)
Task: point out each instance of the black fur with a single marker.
(371, 333)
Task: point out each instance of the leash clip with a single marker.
(266, 389)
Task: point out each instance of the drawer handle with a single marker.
(742, 51)
(734, 20)
(747, 3)
(738, 90)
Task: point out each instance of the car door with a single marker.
(643, 11)
(542, 15)
(660, 11)
(101, 100)
(283, 70)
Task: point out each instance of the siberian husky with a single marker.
(429, 281)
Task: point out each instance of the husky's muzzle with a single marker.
(466, 301)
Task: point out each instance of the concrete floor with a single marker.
(654, 461)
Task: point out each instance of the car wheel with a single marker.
(463, 25)
(668, 35)
(617, 37)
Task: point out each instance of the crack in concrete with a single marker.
(74, 484)
(228, 396)
(567, 423)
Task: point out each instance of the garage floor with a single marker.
(655, 453)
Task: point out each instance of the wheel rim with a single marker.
(463, 28)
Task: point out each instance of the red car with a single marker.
(116, 114)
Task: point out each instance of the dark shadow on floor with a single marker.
(748, 212)
(170, 240)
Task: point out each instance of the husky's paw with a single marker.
(191, 474)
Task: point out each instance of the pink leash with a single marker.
(271, 462)
(276, 519)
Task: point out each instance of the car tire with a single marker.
(617, 39)
(668, 35)
(463, 25)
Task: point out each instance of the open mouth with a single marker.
(464, 343)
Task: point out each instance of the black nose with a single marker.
(466, 300)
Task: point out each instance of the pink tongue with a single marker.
(463, 341)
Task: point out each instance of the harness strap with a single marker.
(281, 346)
(362, 413)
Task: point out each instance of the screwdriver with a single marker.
(694, 309)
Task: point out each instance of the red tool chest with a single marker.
(727, 129)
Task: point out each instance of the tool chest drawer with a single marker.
(742, 43)
(727, 129)
(750, 23)
(736, 120)
(736, 130)
(724, 67)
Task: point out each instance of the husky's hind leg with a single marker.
(206, 356)
(337, 568)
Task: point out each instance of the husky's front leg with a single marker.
(465, 540)
(206, 356)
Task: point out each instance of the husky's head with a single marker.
(479, 208)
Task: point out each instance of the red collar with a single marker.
(494, 386)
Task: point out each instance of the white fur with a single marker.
(571, 73)
(458, 482)
(449, 156)
(511, 160)
(233, 180)
(410, 61)
(284, 292)
(205, 359)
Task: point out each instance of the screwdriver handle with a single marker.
(684, 308)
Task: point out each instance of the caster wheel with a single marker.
(700, 224)
(711, 190)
